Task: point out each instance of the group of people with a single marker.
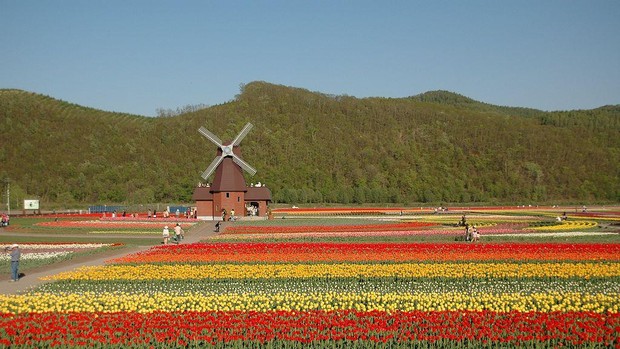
(190, 213)
(471, 233)
(440, 209)
(178, 234)
(251, 210)
(561, 218)
(4, 222)
(230, 217)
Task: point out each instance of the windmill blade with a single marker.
(213, 138)
(242, 134)
(212, 167)
(244, 165)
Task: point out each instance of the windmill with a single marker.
(227, 151)
(229, 190)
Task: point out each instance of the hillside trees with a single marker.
(310, 148)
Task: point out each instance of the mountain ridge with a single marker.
(311, 147)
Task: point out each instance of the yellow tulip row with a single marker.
(343, 270)
(568, 225)
(115, 302)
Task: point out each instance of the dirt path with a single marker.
(32, 278)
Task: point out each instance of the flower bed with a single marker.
(404, 226)
(399, 210)
(330, 294)
(340, 234)
(161, 220)
(126, 232)
(520, 287)
(291, 252)
(492, 226)
(446, 270)
(454, 232)
(325, 301)
(316, 329)
(39, 251)
(567, 225)
(27, 246)
(114, 224)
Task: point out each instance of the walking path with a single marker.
(32, 279)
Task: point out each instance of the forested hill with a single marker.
(308, 147)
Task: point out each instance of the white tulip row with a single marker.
(37, 255)
(72, 246)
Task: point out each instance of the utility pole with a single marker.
(8, 196)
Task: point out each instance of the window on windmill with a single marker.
(238, 198)
(227, 195)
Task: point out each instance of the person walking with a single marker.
(179, 233)
(475, 235)
(15, 256)
(166, 235)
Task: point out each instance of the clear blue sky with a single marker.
(138, 56)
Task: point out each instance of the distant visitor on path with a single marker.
(475, 235)
(5, 220)
(15, 256)
(179, 233)
(463, 221)
(166, 235)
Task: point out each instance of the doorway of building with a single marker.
(252, 208)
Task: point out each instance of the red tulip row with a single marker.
(347, 210)
(182, 328)
(398, 210)
(338, 252)
(161, 220)
(600, 214)
(118, 224)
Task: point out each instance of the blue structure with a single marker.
(182, 210)
(105, 209)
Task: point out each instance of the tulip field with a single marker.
(301, 283)
(37, 254)
(36, 251)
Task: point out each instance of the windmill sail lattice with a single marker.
(227, 150)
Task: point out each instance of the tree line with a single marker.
(310, 147)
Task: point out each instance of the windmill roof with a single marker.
(258, 194)
(202, 194)
(228, 177)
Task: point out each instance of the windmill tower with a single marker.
(229, 190)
